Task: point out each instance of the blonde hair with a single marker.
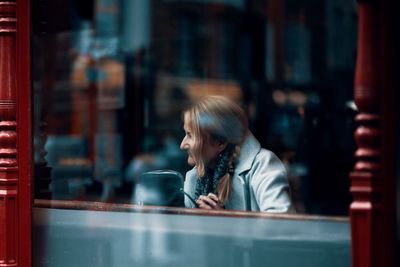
(216, 119)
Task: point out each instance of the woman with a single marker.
(231, 170)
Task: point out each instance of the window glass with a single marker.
(112, 77)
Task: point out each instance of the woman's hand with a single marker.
(210, 202)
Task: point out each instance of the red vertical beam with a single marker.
(24, 131)
(388, 62)
(9, 232)
(369, 213)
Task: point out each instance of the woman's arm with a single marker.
(189, 188)
(269, 184)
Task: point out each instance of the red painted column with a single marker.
(9, 233)
(23, 100)
(369, 215)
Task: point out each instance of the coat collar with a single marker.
(248, 151)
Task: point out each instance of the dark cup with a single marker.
(159, 188)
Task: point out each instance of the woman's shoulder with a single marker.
(191, 174)
(253, 156)
(266, 154)
(269, 158)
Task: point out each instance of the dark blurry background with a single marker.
(110, 79)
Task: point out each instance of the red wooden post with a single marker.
(23, 99)
(15, 196)
(9, 233)
(369, 213)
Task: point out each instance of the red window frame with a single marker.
(373, 227)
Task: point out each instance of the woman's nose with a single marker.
(184, 145)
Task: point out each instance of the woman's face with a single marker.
(210, 152)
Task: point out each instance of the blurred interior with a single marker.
(110, 79)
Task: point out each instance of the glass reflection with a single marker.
(112, 77)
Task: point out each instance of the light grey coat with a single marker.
(258, 184)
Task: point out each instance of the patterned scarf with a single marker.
(209, 182)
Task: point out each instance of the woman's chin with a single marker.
(191, 162)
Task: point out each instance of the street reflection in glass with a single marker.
(114, 82)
